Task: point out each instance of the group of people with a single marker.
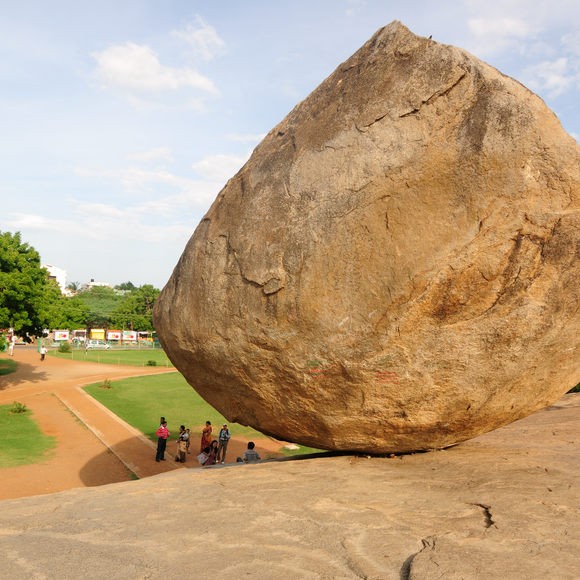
(212, 451)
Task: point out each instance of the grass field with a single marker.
(22, 441)
(140, 401)
(137, 358)
(7, 366)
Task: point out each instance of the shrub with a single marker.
(64, 347)
(106, 384)
(18, 407)
(151, 363)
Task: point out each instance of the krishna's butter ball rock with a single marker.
(396, 266)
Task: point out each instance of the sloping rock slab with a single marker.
(504, 505)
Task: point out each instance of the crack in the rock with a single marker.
(434, 96)
(271, 286)
(405, 571)
(231, 251)
(486, 514)
(351, 564)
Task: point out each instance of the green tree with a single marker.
(26, 293)
(101, 302)
(70, 312)
(126, 286)
(73, 286)
(136, 310)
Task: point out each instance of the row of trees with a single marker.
(30, 301)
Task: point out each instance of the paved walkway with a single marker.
(93, 446)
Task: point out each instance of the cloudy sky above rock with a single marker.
(121, 121)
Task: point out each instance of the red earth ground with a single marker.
(93, 445)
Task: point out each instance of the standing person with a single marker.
(43, 351)
(206, 436)
(223, 440)
(188, 439)
(182, 444)
(162, 436)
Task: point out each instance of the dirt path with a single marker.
(94, 446)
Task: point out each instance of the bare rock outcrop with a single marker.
(504, 505)
(396, 266)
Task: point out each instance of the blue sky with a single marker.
(121, 121)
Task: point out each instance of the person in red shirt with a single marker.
(162, 436)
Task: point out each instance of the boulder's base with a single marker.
(504, 505)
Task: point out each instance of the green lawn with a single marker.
(137, 358)
(7, 366)
(22, 441)
(142, 400)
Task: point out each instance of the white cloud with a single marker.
(552, 77)
(219, 168)
(495, 34)
(174, 195)
(571, 43)
(499, 27)
(353, 7)
(161, 154)
(136, 68)
(202, 38)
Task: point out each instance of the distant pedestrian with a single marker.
(43, 351)
(11, 342)
(223, 440)
(206, 436)
(162, 436)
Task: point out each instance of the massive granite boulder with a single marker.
(396, 267)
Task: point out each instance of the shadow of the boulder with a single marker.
(120, 463)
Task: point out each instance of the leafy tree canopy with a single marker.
(25, 289)
(100, 302)
(136, 310)
(126, 286)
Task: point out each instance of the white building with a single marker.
(57, 274)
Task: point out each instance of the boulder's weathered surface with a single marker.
(396, 267)
(504, 505)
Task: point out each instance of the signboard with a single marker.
(114, 335)
(129, 335)
(98, 334)
(61, 335)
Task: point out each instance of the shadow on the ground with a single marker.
(24, 373)
(107, 468)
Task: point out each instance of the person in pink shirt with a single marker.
(162, 436)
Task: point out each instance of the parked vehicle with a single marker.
(97, 344)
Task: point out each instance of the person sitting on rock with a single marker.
(250, 454)
(212, 455)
